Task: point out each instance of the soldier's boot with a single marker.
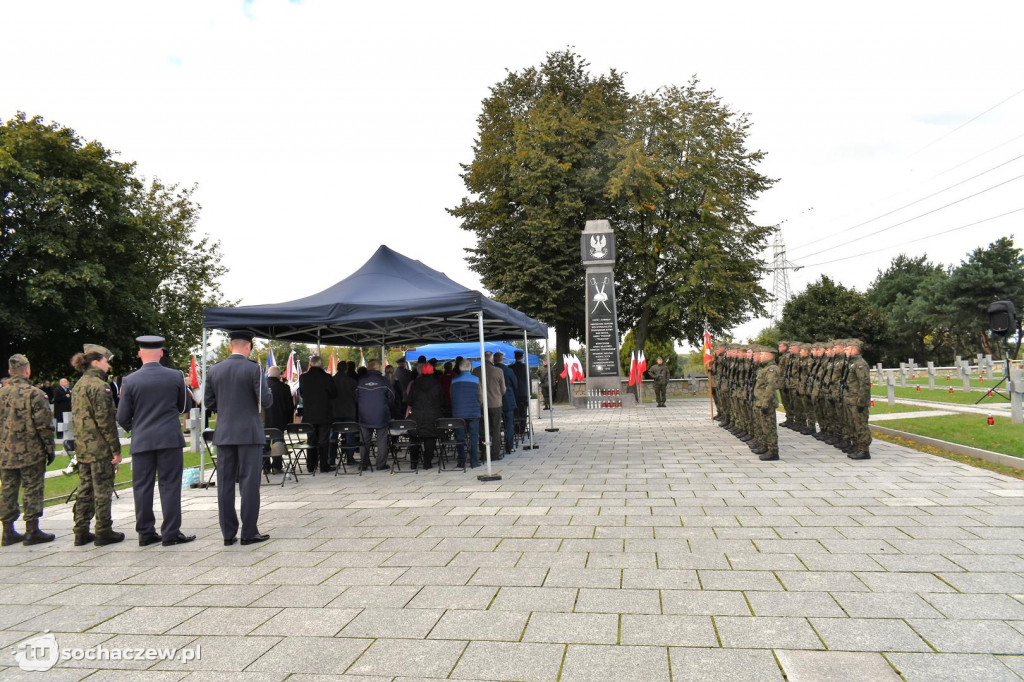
(760, 450)
(11, 536)
(844, 445)
(108, 537)
(859, 454)
(83, 537)
(34, 536)
(746, 437)
(769, 456)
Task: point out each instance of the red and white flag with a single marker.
(576, 368)
(332, 366)
(289, 372)
(632, 368)
(193, 375)
(707, 348)
(641, 366)
(565, 367)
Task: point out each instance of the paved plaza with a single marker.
(646, 544)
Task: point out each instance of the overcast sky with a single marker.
(318, 130)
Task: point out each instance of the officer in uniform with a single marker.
(659, 372)
(26, 448)
(836, 392)
(784, 394)
(765, 385)
(237, 389)
(98, 448)
(542, 377)
(856, 400)
(152, 399)
(714, 378)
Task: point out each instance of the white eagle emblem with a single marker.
(598, 246)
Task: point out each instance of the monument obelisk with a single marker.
(597, 245)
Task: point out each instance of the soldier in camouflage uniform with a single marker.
(856, 400)
(817, 391)
(784, 363)
(659, 372)
(542, 377)
(714, 379)
(97, 445)
(836, 392)
(791, 378)
(26, 448)
(764, 404)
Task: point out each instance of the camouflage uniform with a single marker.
(765, 402)
(857, 399)
(26, 443)
(660, 375)
(542, 377)
(97, 443)
(836, 395)
(784, 365)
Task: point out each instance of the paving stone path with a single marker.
(642, 545)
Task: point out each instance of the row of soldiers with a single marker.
(825, 389)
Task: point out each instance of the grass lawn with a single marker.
(968, 429)
(945, 454)
(943, 395)
(57, 488)
(882, 407)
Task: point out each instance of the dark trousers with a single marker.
(473, 430)
(509, 415)
(494, 422)
(382, 444)
(342, 445)
(427, 446)
(242, 463)
(522, 405)
(147, 467)
(321, 438)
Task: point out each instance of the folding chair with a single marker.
(272, 436)
(343, 430)
(208, 444)
(402, 438)
(449, 442)
(297, 438)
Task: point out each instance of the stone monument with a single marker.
(597, 246)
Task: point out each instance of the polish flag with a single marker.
(642, 365)
(193, 375)
(632, 368)
(708, 356)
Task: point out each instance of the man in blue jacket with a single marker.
(467, 398)
(374, 398)
(508, 401)
(237, 389)
(152, 399)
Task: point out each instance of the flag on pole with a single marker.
(707, 348)
(332, 366)
(641, 366)
(362, 359)
(193, 375)
(565, 367)
(632, 368)
(289, 372)
(271, 361)
(577, 369)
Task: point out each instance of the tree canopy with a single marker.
(558, 146)
(93, 253)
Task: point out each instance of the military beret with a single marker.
(150, 342)
(16, 362)
(854, 343)
(241, 335)
(93, 348)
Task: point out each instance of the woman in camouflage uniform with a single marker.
(97, 444)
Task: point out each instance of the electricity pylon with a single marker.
(781, 268)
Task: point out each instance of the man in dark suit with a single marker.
(374, 397)
(317, 390)
(61, 396)
(238, 391)
(343, 409)
(522, 390)
(152, 398)
(279, 415)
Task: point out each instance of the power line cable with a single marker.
(912, 203)
(966, 123)
(922, 215)
(978, 156)
(914, 241)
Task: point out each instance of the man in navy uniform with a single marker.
(238, 391)
(152, 400)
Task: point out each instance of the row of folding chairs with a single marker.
(402, 439)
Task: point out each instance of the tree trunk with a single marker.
(987, 348)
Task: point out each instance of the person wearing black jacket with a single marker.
(522, 390)
(280, 414)
(426, 400)
(317, 390)
(343, 409)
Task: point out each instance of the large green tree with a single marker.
(826, 310)
(688, 249)
(540, 166)
(905, 292)
(989, 274)
(89, 252)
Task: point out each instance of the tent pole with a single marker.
(202, 416)
(483, 388)
(529, 387)
(318, 340)
(551, 395)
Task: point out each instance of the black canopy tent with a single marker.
(391, 300)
